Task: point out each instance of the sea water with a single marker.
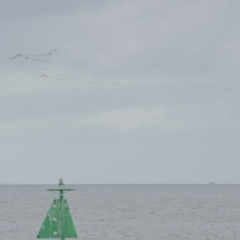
(158, 212)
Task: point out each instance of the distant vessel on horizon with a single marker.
(211, 183)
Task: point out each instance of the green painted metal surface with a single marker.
(58, 222)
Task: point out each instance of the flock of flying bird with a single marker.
(48, 75)
(35, 57)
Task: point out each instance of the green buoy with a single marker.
(58, 222)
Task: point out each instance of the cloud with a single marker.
(174, 118)
(152, 42)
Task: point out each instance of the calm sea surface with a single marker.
(120, 212)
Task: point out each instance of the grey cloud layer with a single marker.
(118, 134)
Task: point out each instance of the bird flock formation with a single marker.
(48, 74)
(35, 57)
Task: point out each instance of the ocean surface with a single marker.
(182, 212)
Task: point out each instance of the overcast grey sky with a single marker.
(117, 133)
